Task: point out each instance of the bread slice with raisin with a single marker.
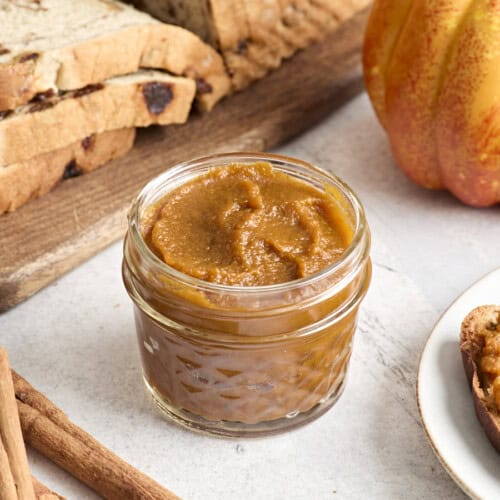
(254, 35)
(137, 100)
(480, 347)
(23, 181)
(63, 45)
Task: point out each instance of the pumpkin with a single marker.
(432, 71)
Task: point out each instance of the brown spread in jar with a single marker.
(221, 352)
(247, 225)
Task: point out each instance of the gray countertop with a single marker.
(75, 341)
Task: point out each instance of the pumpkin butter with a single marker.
(248, 328)
(247, 225)
(489, 361)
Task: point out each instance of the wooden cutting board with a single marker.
(51, 235)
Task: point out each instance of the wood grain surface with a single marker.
(53, 234)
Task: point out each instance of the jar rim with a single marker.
(360, 228)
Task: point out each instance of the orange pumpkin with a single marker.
(432, 71)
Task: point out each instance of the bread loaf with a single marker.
(136, 100)
(64, 45)
(31, 178)
(254, 35)
(480, 347)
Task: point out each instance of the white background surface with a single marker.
(75, 341)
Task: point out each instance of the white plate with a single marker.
(445, 401)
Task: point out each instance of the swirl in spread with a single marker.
(248, 225)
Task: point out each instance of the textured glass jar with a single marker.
(242, 361)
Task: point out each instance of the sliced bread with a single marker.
(254, 35)
(63, 45)
(480, 348)
(136, 100)
(29, 179)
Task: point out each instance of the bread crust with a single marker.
(16, 83)
(471, 345)
(32, 178)
(257, 36)
(118, 103)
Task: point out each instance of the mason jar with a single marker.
(245, 360)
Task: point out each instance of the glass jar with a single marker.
(241, 361)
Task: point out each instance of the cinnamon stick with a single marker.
(10, 433)
(7, 485)
(47, 429)
(42, 492)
